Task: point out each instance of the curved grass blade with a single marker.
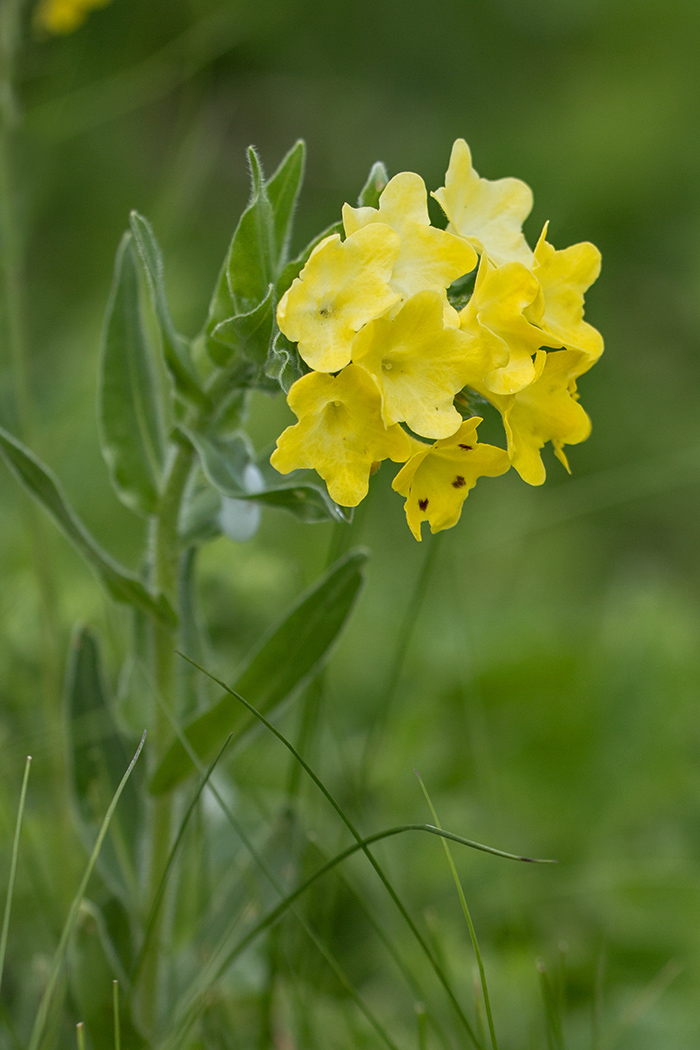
(430, 956)
(468, 918)
(124, 586)
(272, 917)
(13, 865)
(197, 1001)
(43, 1011)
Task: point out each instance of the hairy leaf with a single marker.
(279, 667)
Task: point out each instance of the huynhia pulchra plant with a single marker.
(385, 333)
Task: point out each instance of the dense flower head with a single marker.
(398, 347)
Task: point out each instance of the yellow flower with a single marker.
(495, 314)
(63, 16)
(418, 364)
(547, 410)
(340, 432)
(429, 259)
(437, 480)
(563, 277)
(489, 214)
(343, 286)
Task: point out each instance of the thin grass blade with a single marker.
(42, 1012)
(13, 866)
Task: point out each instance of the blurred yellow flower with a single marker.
(340, 433)
(488, 214)
(63, 16)
(344, 285)
(437, 480)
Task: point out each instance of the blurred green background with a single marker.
(549, 694)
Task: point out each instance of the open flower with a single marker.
(437, 479)
(563, 277)
(429, 259)
(496, 314)
(340, 433)
(418, 364)
(488, 214)
(547, 410)
(344, 285)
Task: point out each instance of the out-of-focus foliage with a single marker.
(549, 691)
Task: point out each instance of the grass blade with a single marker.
(13, 866)
(468, 918)
(42, 1012)
(437, 968)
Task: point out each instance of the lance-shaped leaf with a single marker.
(251, 262)
(175, 347)
(229, 466)
(130, 408)
(374, 186)
(123, 585)
(250, 266)
(281, 665)
(249, 333)
(283, 190)
(97, 758)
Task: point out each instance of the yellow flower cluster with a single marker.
(389, 351)
(63, 16)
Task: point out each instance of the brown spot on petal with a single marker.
(467, 448)
(423, 504)
(458, 482)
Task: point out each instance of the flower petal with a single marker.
(340, 432)
(488, 214)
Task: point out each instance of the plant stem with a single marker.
(166, 553)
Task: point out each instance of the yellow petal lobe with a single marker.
(340, 433)
(418, 364)
(344, 285)
(429, 259)
(547, 410)
(437, 479)
(564, 276)
(488, 214)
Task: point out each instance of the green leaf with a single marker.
(97, 759)
(284, 365)
(229, 466)
(248, 333)
(374, 186)
(283, 190)
(124, 586)
(250, 267)
(175, 347)
(281, 665)
(129, 406)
